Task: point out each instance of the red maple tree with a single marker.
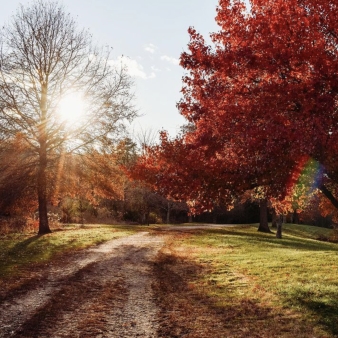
(257, 101)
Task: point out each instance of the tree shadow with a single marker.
(90, 295)
(286, 242)
(16, 262)
(22, 246)
(197, 312)
(325, 307)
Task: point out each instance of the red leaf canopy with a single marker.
(257, 101)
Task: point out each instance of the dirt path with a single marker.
(103, 292)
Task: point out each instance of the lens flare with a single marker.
(307, 176)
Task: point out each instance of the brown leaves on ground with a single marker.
(85, 300)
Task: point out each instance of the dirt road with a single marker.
(103, 292)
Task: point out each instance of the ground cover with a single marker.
(171, 281)
(261, 285)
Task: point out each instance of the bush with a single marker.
(17, 224)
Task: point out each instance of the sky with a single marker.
(151, 35)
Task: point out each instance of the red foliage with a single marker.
(259, 100)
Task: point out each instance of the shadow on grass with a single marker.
(23, 245)
(14, 265)
(325, 308)
(287, 241)
(186, 310)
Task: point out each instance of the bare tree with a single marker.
(145, 138)
(44, 58)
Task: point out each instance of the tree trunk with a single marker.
(292, 218)
(81, 209)
(295, 217)
(42, 174)
(42, 192)
(190, 218)
(279, 227)
(214, 217)
(274, 219)
(168, 213)
(329, 195)
(144, 217)
(263, 225)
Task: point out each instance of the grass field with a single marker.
(296, 276)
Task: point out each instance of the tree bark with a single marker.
(42, 192)
(168, 213)
(263, 225)
(291, 218)
(144, 217)
(42, 170)
(329, 195)
(295, 217)
(279, 227)
(214, 217)
(274, 219)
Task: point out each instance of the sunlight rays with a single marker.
(72, 108)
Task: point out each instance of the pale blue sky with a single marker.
(151, 34)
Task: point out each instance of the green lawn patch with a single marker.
(306, 231)
(297, 273)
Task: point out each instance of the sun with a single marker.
(71, 108)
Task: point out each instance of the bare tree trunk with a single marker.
(279, 226)
(190, 218)
(263, 225)
(42, 192)
(42, 174)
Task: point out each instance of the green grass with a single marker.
(306, 231)
(20, 251)
(297, 272)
